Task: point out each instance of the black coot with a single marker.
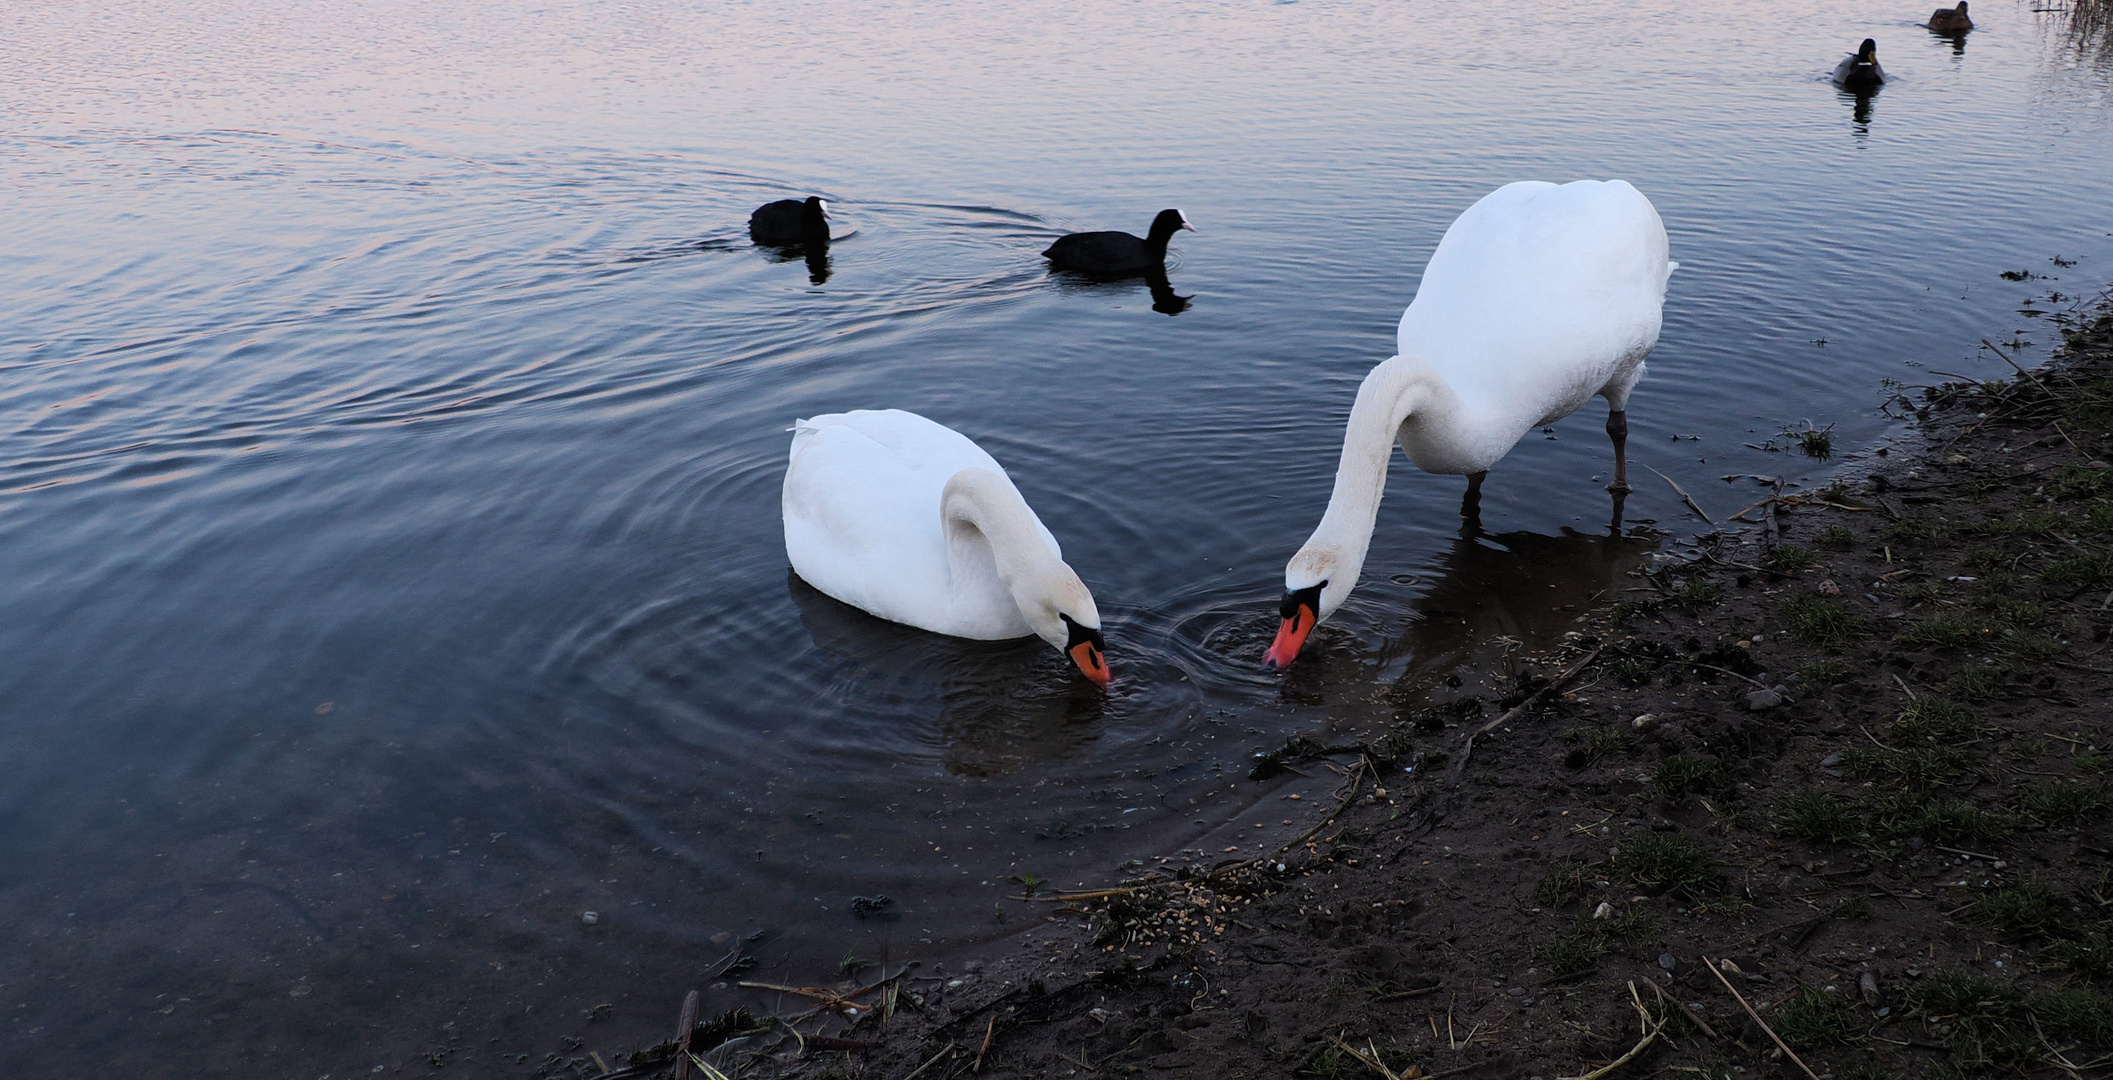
(1117, 253)
(791, 223)
(1860, 72)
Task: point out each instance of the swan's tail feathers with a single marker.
(1671, 265)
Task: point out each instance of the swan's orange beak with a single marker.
(1290, 635)
(1090, 662)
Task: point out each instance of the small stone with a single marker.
(1728, 967)
(955, 984)
(1829, 588)
(1098, 1014)
(1762, 700)
(1604, 910)
(590, 917)
(1645, 722)
(1666, 961)
(1517, 991)
(1831, 760)
(1867, 985)
(2096, 465)
(973, 966)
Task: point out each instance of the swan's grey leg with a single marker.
(1618, 430)
(1471, 503)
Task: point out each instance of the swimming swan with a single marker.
(911, 521)
(1538, 298)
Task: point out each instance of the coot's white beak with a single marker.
(1185, 223)
(825, 206)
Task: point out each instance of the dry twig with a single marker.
(1771, 1032)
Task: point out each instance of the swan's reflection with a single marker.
(1525, 586)
(1001, 705)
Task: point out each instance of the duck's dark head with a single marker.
(1867, 53)
(1166, 225)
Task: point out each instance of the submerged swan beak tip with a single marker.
(1291, 635)
(1091, 664)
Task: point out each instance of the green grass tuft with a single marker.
(1934, 720)
(1565, 885)
(1943, 632)
(1917, 769)
(1577, 950)
(1814, 1018)
(1836, 537)
(2090, 956)
(1818, 621)
(1823, 672)
(2089, 570)
(1682, 775)
(1669, 863)
(2079, 481)
(2063, 802)
(1819, 818)
(2020, 912)
(1943, 820)
(1974, 685)
(1789, 558)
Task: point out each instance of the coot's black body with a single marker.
(1860, 72)
(791, 223)
(1110, 254)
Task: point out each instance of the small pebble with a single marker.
(1517, 991)
(1666, 961)
(1603, 910)
(590, 918)
(1829, 588)
(1645, 722)
(1761, 700)
(1831, 760)
(1729, 967)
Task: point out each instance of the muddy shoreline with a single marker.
(1834, 782)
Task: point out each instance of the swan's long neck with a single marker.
(982, 511)
(1335, 553)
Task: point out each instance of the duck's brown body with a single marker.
(1951, 20)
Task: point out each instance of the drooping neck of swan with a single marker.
(980, 507)
(1394, 391)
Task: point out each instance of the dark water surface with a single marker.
(392, 412)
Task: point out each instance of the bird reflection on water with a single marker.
(1164, 299)
(1000, 705)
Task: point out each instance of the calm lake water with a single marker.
(392, 413)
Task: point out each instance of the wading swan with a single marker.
(1117, 253)
(1539, 297)
(911, 521)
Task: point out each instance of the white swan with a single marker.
(1538, 297)
(911, 521)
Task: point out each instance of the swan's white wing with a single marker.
(1540, 295)
(861, 504)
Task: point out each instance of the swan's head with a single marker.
(1315, 583)
(1064, 616)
